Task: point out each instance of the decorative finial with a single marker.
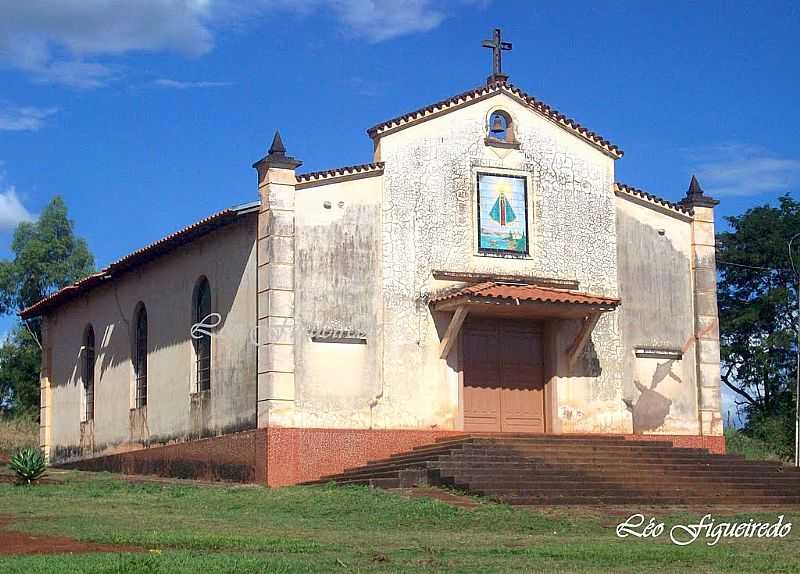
(277, 156)
(696, 197)
(277, 145)
(497, 45)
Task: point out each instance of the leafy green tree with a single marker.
(47, 256)
(20, 360)
(757, 304)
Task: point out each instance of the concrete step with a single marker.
(559, 469)
(640, 461)
(563, 471)
(495, 466)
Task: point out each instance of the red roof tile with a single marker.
(525, 292)
(136, 258)
(489, 90)
(630, 190)
(363, 168)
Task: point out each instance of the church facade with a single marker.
(484, 273)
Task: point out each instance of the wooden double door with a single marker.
(503, 375)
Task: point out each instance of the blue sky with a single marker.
(146, 116)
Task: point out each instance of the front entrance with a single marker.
(503, 376)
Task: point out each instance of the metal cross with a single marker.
(497, 46)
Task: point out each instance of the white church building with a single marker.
(484, 272)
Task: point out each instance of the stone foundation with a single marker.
(284, 456)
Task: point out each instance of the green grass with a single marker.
(736, 442)
(17, 432)
(333, 529)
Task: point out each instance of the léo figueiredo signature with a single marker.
(712, 531)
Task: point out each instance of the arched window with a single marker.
(202, 345)
(500, 127)
(87, 374)
(140, 357)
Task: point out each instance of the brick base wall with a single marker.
(300, 454)
(284, 456)
(237, 457)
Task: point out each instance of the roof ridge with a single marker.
(484, 89)
(653, 198)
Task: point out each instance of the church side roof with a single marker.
(622, 188)
(139, 257)
(362, 169)
(489, 90)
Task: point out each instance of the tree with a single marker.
(47, 257)
(757, 295)
(20, 360)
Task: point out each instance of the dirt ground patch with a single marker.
(16, 543)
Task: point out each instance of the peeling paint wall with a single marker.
(429, 224)
(227, 258)
(657, 313)
(337, 303)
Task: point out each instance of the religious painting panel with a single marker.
(502, 214)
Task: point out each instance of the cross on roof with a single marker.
(497, 46)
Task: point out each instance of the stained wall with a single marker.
(174, 411)
(657, 315)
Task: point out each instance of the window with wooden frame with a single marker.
(202, 345)
(87, 374)
(140, 357)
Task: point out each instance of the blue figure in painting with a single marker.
(502, 211)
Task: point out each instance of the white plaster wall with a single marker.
(656, 287)
(428, 224)
(337, 289)
(165, 285)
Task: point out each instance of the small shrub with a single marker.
(28, 463)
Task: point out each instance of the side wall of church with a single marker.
(657, 318)
(429, 224)
(337, 303)
(174, 411)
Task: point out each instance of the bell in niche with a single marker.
(498, 129)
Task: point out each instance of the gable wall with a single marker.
(428, 224)
(165, 285)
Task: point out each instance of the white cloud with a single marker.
(741, 170)
(23, 118)
(379, 20)
(68, 42)
(181, 85)
(56, 40)
(12, 212)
